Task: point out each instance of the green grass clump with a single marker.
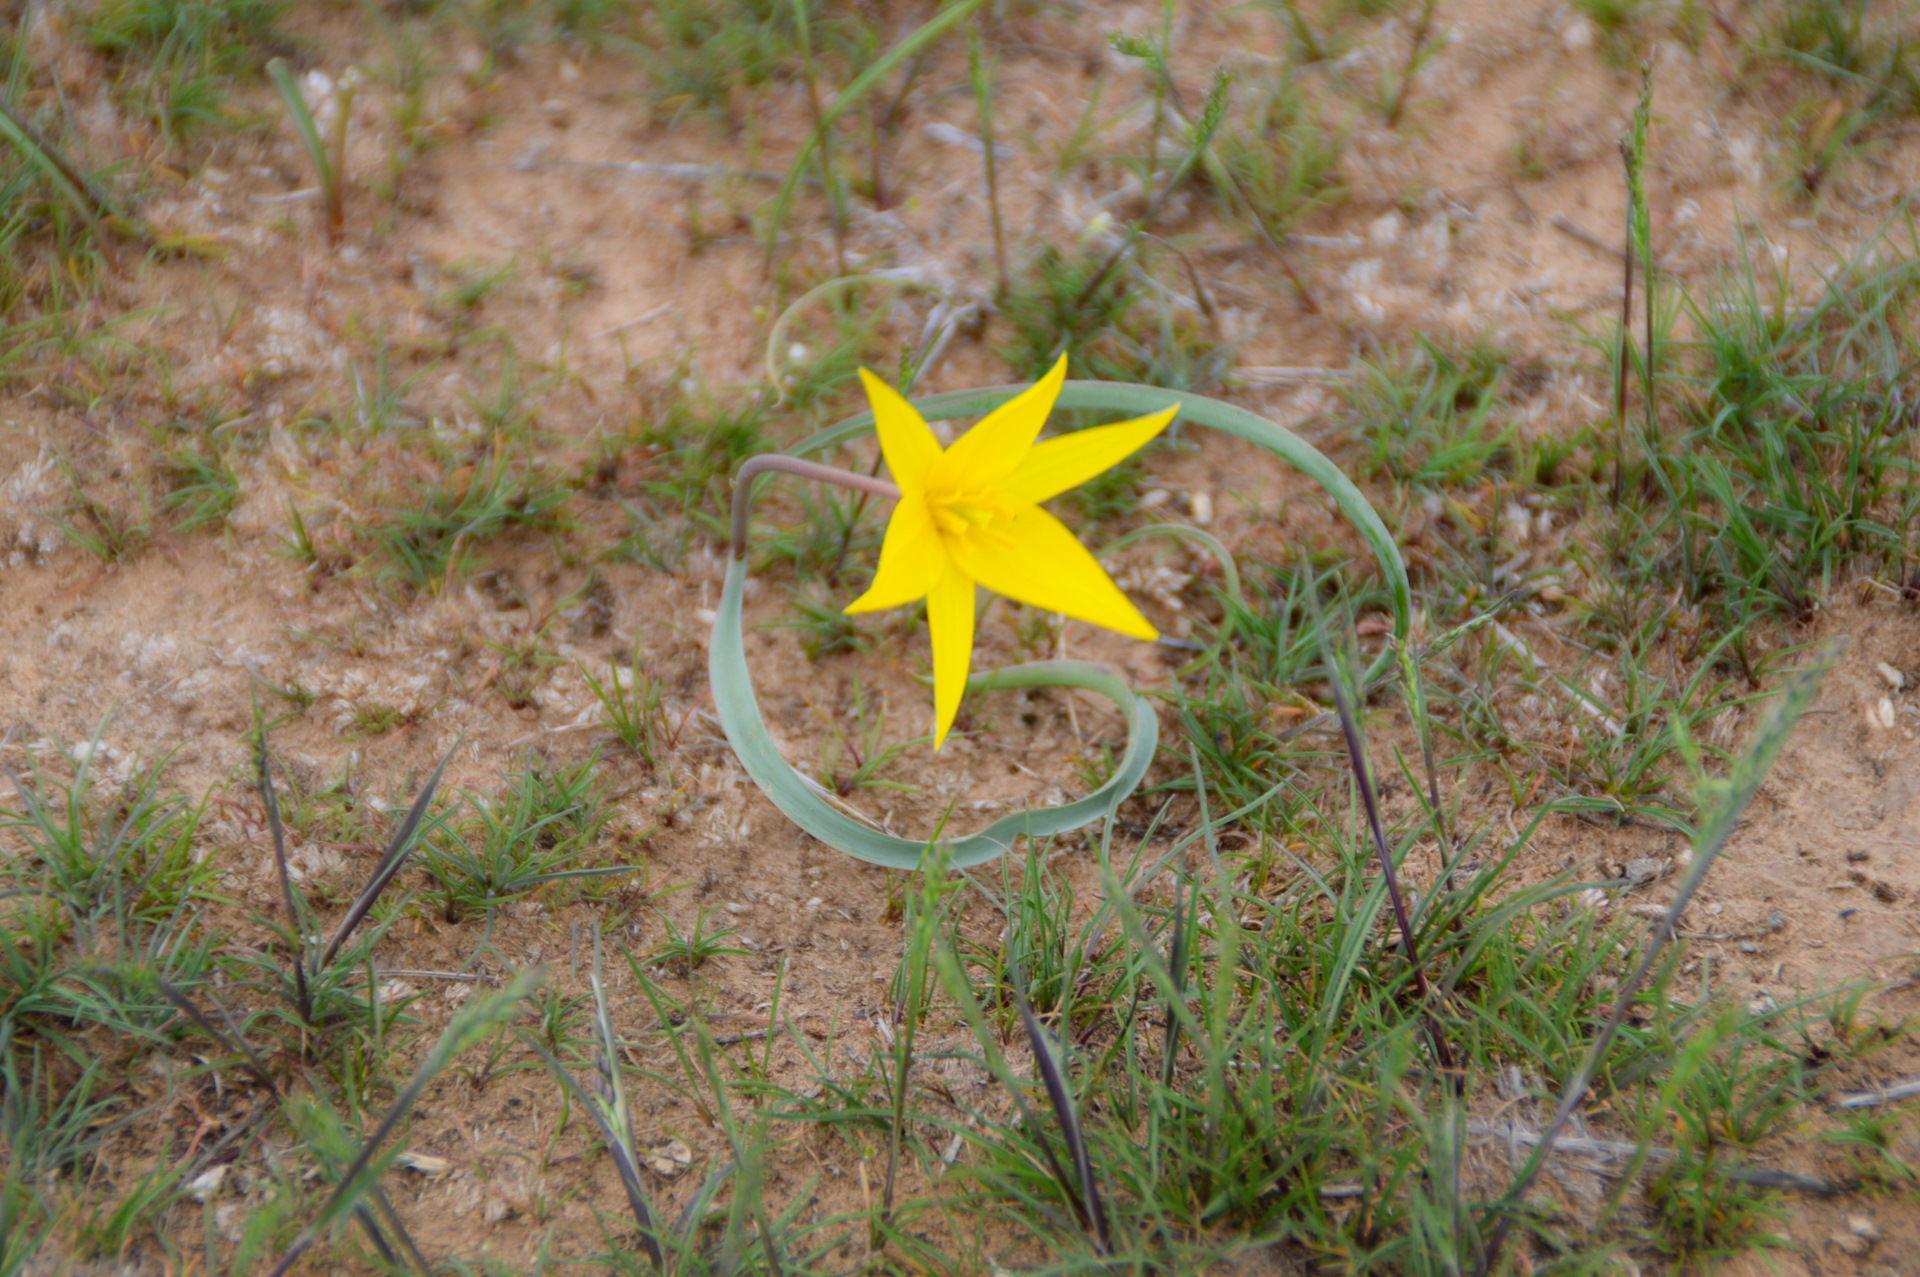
(201, 487)
(1111, 321)
(1858, 77)
(428, 529)
(685, 486)
(1432, 416)
(536, 832)
(1799, 453)
(702, 54)
(1283, 161)
(178, 59)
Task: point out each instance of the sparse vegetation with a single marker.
(491, 961)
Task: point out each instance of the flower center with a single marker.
(960, 512)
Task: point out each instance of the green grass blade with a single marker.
(390, 864)
(63, 177)
(470, 1024)
(863, 84)
(1722, 800)
(303, 123)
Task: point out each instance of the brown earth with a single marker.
(629, 282)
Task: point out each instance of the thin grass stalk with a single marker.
(71, 184)
(1369, 801)
(1227, 958)
(912, 46)
(309, 134)
(873, 155)
(235, 1043)
(1642, 230)
(1417, 706)
(1177, 959)
(926, 914)
(1637, 233)
(1221, 178)
(836, 211)
(297, 921)
(617, 1124)
(982, 73)
(468, 1026)
(1058, 1094)
(748, 1162)
(1723, 802)
(1623, 346)
(1420, 32)
(342, 123)
(1199, 140)
(390, 864)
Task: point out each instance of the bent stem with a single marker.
(779, 463)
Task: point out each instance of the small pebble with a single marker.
(1895, 679)
(1848, 1244)
(1645, 870)
(669, 1159)
(1862, 1226)
(207, 1183)
(1857, 856)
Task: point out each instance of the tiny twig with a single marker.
(1885, 1095)
(1584, 1146)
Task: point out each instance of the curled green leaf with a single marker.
(807, 806)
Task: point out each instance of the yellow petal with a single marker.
(1033, 559)
(911, 559)
(904, 437)
(1000, 440)
(1066, 461)
(950, 622)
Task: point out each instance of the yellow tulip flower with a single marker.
(970, 515)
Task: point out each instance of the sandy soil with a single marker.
(630, 280)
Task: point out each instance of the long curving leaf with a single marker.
(738, 708)
(739, 713)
